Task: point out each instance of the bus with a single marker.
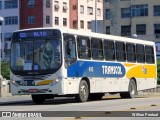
(51, 62)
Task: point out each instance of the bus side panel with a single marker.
(112, 84)
(145, 75)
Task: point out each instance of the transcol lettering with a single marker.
(112, 70)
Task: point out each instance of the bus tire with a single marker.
(38, 99)
(132, 90)
(96, 96)
(83, 94)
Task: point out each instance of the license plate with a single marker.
(33, 90)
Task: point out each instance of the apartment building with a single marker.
(44, 13)
(9, 10)
(74, 14)
(133, 18)
(85, 13)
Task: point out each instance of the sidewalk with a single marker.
(14, 99)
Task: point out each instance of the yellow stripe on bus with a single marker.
(142, 71)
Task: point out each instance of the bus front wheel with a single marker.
(83, 94)
(38, 99)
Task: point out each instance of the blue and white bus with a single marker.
(48, 62)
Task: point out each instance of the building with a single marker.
(138, 18)
(86, 14)
(44, 13)
(74, 14)
(9, 10)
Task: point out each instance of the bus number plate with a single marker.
(27, 83)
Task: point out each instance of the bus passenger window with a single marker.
(149, 52)
(140, 53)
(120, 51)
(109, 50)
(97, 48)
(83, 44)
(70, 49)
(130, 49)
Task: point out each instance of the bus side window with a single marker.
(149, 52)
(69, 49)
(97, 48)
(83, 44)
(120, 51)
(130, 49)
(140, 53)
(109, 50)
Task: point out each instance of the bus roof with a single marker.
(96, 35)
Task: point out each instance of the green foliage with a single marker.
(158, 70)
(5, 70)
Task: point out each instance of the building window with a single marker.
(48, 3)
(74, 24)
(64, 6)
(139, 10)
(64, 21)
(0, 5)
(89, 24)
(156, 10)
(108, 30)
(141, 29)
(11, 4)
(157, 30)
(89, 10)
(81, 9)
(125, 12)
(31, 3)
(126, 30)
(107, 14)
(82, 24)
(56, 6)
(13, 20)
(31, 19)
(56, 20)
(98, 12)
(47, 19)
(74, 7)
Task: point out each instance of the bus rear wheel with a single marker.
(83, 94)
(132, 90)
(38, 99)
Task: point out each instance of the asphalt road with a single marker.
(110, 107)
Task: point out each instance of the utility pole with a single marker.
(1, 21)
(114, 17)
(95, 16)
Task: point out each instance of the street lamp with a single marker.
(1, 21)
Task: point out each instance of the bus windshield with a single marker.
(36, 55)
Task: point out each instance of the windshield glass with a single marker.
(29, 55)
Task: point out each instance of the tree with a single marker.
(5, 70)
